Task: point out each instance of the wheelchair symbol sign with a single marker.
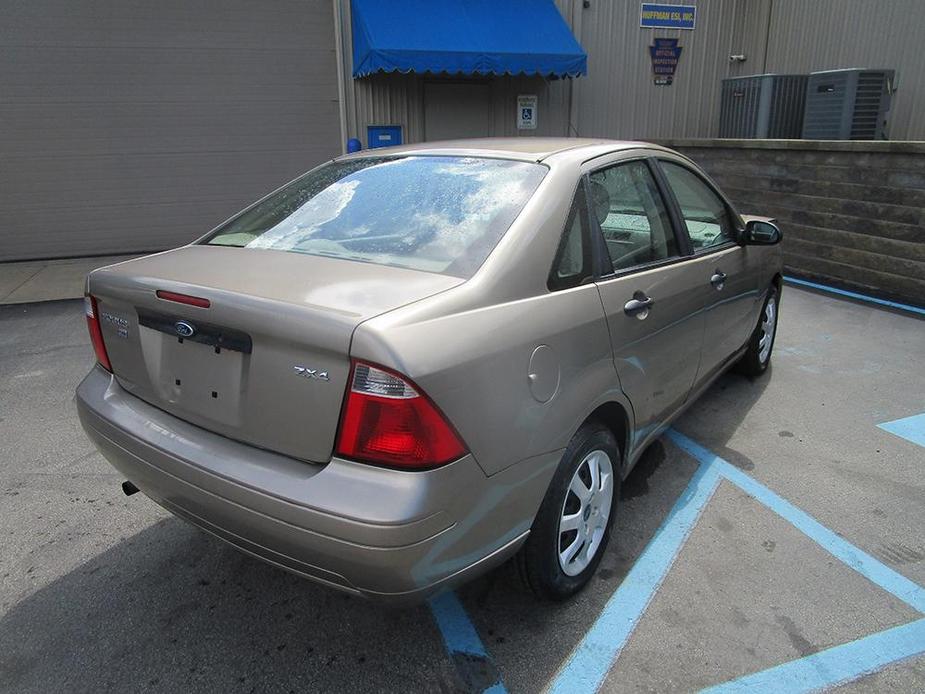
(526, 112)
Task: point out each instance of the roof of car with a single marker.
(522, 148)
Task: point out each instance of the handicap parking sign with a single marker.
(526, 112)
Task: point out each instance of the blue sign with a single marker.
(665, 56)
(667, 16)
(383, 135)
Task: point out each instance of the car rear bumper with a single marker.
(384, 534)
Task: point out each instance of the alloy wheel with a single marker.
(585, 512)
(768, 326)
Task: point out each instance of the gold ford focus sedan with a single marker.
(411, 364)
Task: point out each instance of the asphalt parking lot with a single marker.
(777, 530)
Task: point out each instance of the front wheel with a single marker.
(758, 354)
(572, 528)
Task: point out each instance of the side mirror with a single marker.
(758, 233)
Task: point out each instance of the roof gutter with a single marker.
(341, 96)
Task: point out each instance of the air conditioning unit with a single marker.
(762, 106)
(848, 104)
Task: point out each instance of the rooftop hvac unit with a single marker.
(848, 104)
(762, 106)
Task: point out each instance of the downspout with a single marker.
(767, 37)
(339, 49)
(572, 126)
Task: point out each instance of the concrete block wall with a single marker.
(852, 213)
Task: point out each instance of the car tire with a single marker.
(758, 353)
(543, 561)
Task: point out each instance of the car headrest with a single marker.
(600, 201)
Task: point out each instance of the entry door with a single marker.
(727, 285)
(649, 295)
(455, 110)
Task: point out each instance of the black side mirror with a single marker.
(758, 233)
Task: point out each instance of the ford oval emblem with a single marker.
(184, 329)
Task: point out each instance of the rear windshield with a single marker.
(439, 214)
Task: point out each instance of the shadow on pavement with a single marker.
(172, 609)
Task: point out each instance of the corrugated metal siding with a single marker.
(618, 98)
(399, 100)
(396, 99)
(552, 106)
(393, 99)
(388, 100)
(750, 37)
(832, 34)
(134, 126)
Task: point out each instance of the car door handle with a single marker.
(718, 280)
(639, 305)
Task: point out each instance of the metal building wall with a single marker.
(135, 126)
(618, 98)
(830, 34)
(397, 99)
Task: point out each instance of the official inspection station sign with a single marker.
(665, 56)
(659, 16)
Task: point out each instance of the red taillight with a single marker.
(96, 335)
(387, 421)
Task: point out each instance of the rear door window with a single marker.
(632, 215)
(441, 214)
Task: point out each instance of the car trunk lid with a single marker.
(267, 361)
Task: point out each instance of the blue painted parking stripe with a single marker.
(860, 561)
(911, 428)
(835, 665)
(855, 295)
(591, 660)
(589, 663)
(459, 634)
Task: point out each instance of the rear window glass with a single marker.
(439, 214)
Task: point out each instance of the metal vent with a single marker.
(868, 104)
(847, 104)
(762, 106)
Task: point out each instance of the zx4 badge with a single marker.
(311, 373)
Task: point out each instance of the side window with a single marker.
(632, 215)
(708, 220)
(572, 265)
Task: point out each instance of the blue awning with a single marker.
(470, 37)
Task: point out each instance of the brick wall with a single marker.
(852, 213)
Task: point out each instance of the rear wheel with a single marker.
(572, 529)
(758, 354)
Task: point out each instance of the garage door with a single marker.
(129, 126)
